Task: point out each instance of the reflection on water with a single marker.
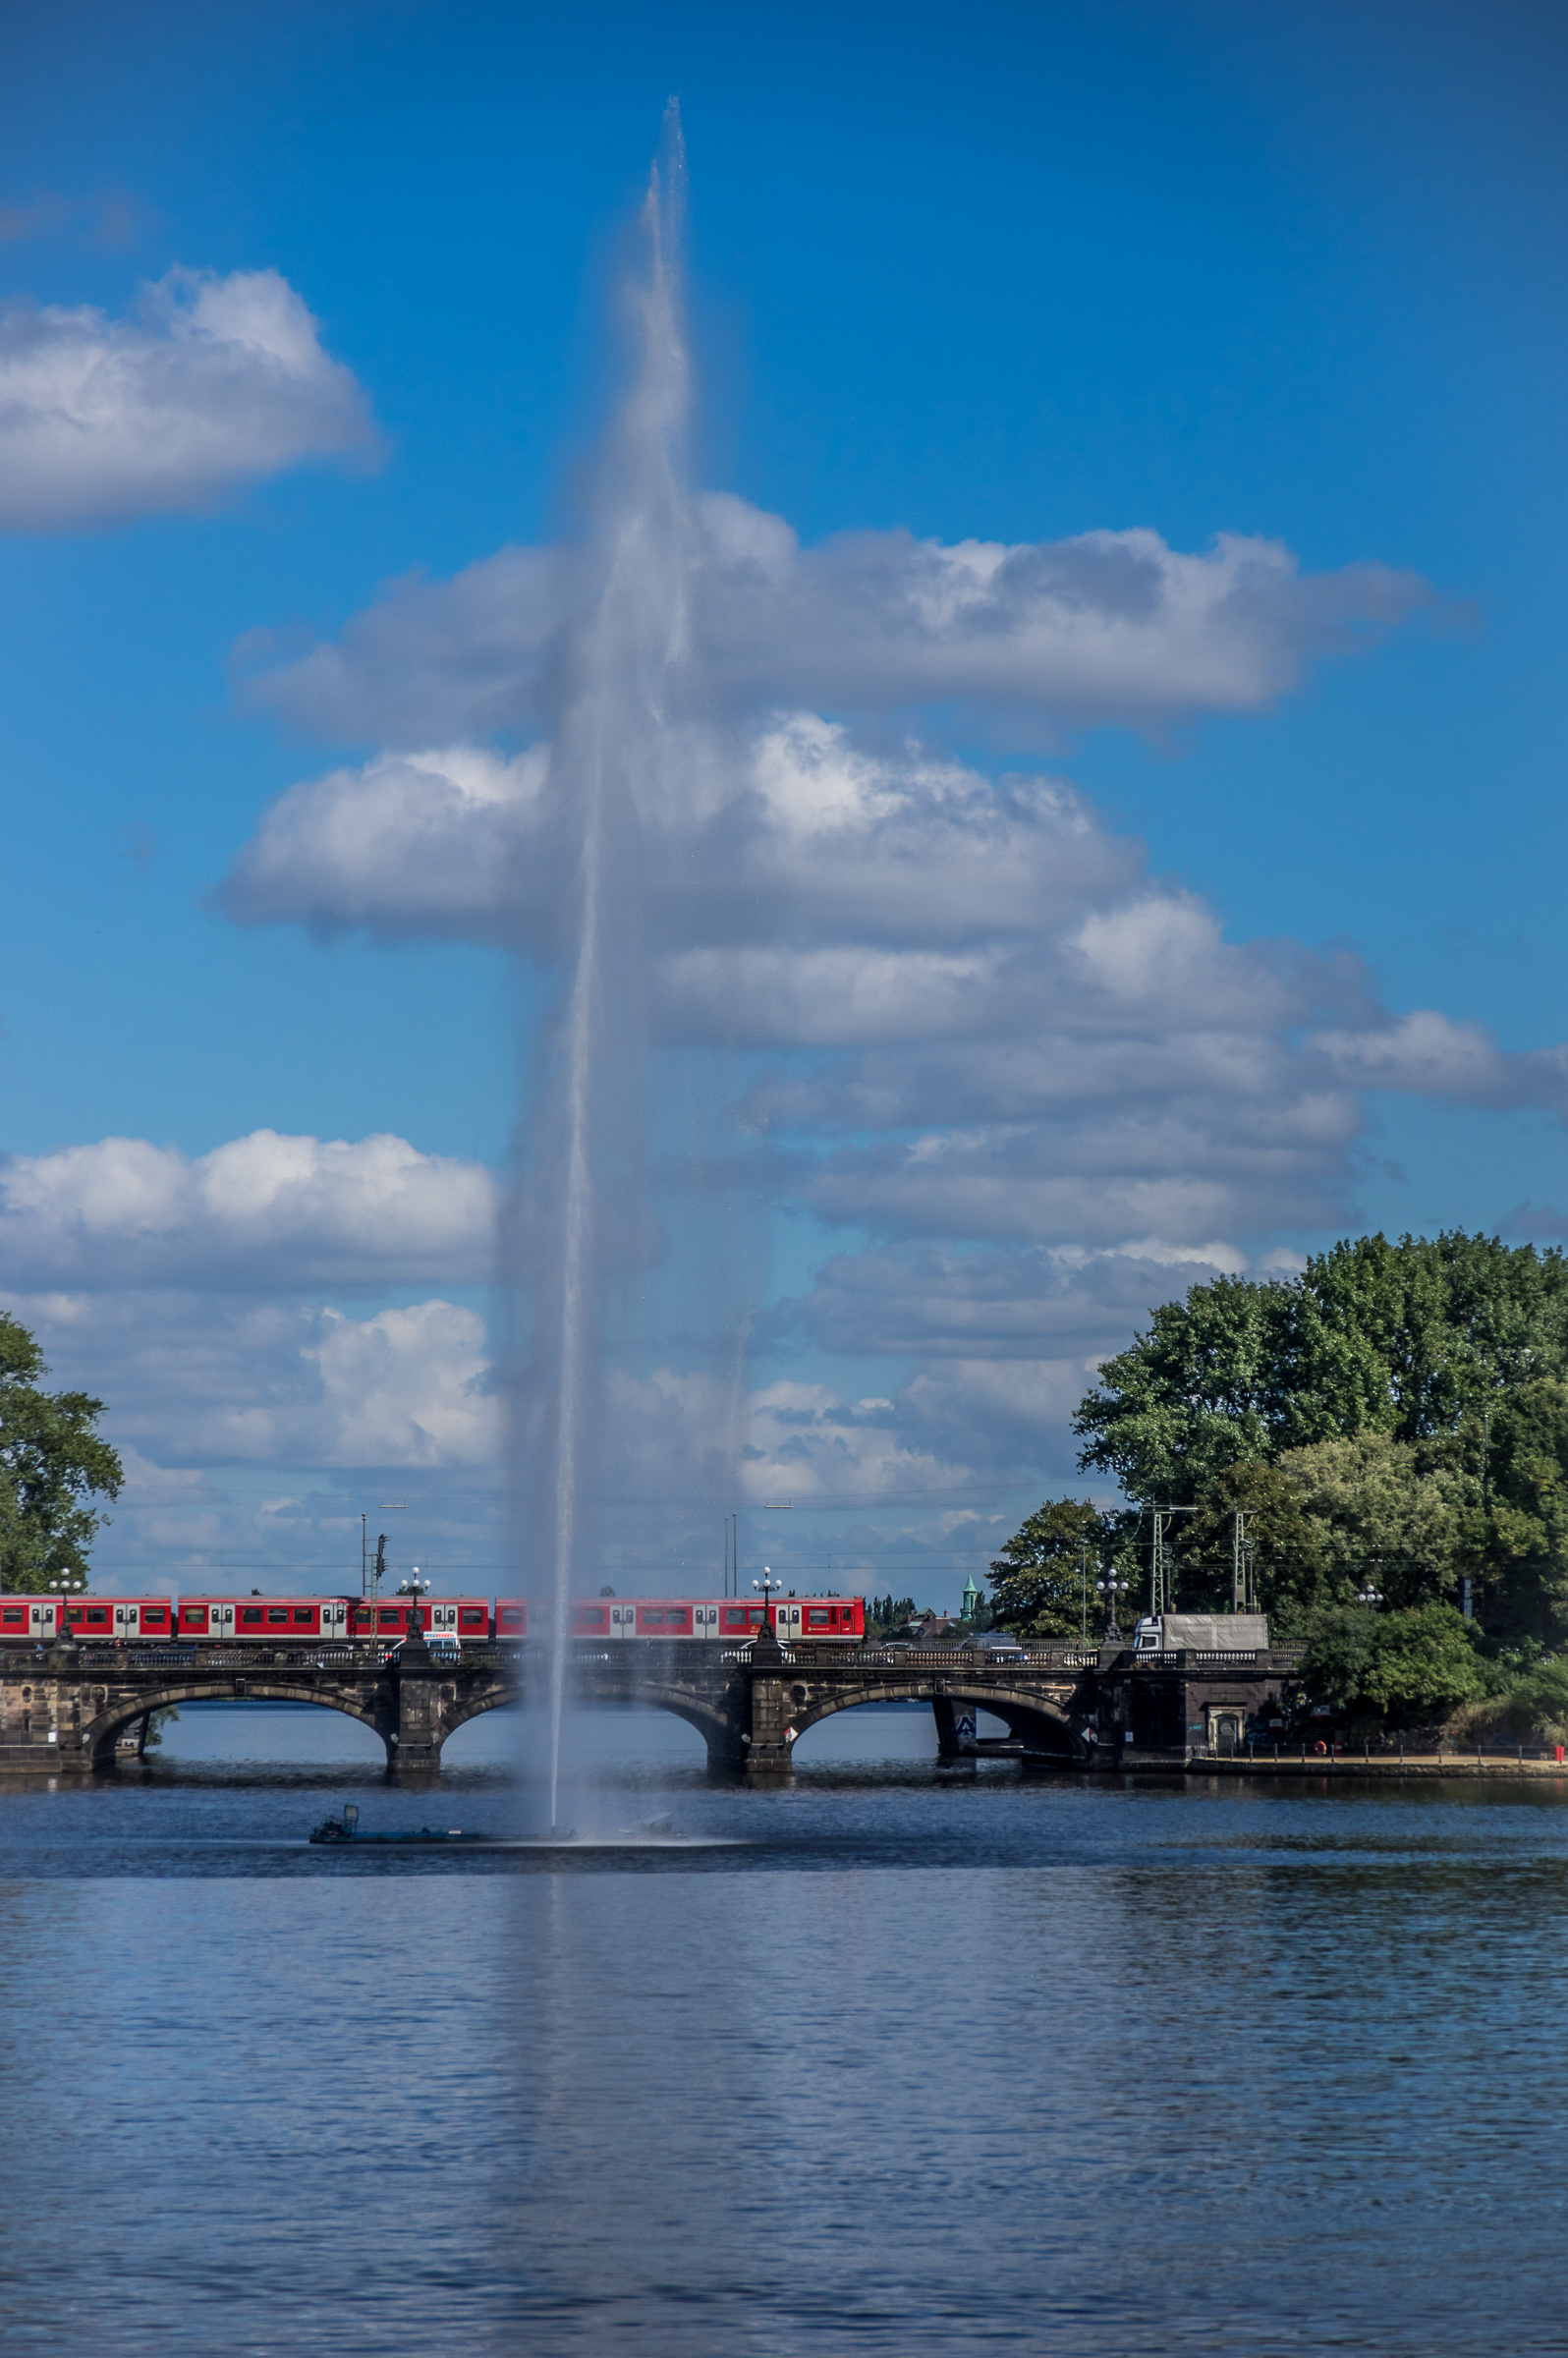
(910, 2059)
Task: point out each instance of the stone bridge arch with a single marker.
(99, 1733)
(1039, 1721)
(716, 1712)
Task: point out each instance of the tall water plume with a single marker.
(583, 1210)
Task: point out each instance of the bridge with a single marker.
(75, 1710)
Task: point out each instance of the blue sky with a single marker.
(998, 275)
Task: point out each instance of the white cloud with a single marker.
(411, 844)
(261, 1212)
(204, 1380)
(1034, 1084)
(216, 381)
(979, 1014)
(1426, 1054)
(1105, 627)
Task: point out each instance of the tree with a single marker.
(1416, 1339)
(1291, 1564)
(52, 1462)
(1389, 1514)
(1038, 1581)
(1518, 1548)
(1412, 1668)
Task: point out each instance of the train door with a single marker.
(334, 1617)
(41, 1619)
(786, 1620)
(220, 1621)
(623, 1620)
(443, 1617)
(127, 1620)
(705, 1620)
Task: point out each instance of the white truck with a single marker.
(1202, 1633)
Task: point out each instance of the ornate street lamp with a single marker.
(415, 1587)
(1111, 1588)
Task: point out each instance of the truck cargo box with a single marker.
(1202, 1633)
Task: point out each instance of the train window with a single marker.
(815, 1620)
(677, 1618)
(303, 1617)
(651, 1616)
(193, 1616)
(734, 1618)
(153, 1616)
(591, 1616)
(471, 1616)
(276, 1615)
(12, 1612)
(250, 1616)
(390, 1617)
(97, 1617)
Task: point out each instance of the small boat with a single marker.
(346, 1829)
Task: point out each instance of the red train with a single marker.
(462, 1620)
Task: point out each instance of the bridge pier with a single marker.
(957, 1728)
(770, 1738)
(414, 1747)
(768, 1752)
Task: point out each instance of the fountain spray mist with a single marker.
(610, 742)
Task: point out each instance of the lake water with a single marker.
(900, 2059)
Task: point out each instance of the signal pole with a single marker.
(1162, 1561)
(1243, 1585)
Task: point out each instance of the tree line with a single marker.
(1386, 1433)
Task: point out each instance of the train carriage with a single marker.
(827, 1619)
(391, 1619)
(264, 1620)
(93, 1620)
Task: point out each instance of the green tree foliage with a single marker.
(1038, 1581)
(1293, 1568)
(884, 1613)
(1413, 1339)
(1416, 1396)
(1518, 1546)
(1390, 1514)
(1413, 1667)
(52, 1462)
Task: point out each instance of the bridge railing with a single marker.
(204, 1658)
(922, 1658)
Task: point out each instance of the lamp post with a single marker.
(1368, 1595)
(415, 1587)
(1111, 1588)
